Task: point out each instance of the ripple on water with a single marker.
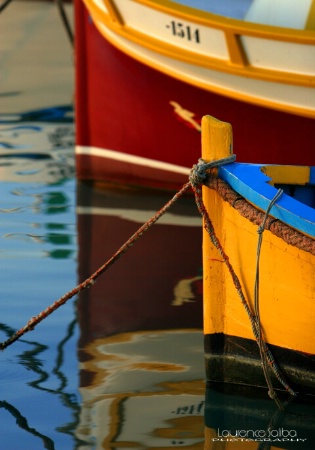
(13, 372)
(19, 362)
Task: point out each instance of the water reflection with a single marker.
(37, 146)
(32, 360)
(122, 365)
(39, 401)
(144, 391)
(141, 351)
(22, 423)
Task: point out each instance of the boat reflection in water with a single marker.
(141, 343)
(142, 394)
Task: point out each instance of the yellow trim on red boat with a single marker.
(237, 63)
(218, 90)
(233, 30)
(240, 27)
(113, 12)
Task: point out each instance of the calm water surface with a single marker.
(120, 365)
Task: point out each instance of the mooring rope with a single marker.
(199, 175)
(196, 182)
(65, 21)
(274, 423)
(4, 5)
(62, 13)
(91, 280)
(272, 393)
(200, 171)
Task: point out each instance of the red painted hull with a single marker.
(124, 105)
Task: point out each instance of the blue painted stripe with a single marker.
(252, 184)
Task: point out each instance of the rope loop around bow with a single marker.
(198, 174)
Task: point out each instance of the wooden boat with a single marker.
(148, 70)
(259, 287)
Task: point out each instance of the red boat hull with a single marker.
(124, 106)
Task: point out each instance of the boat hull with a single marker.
(286, 291)
(258, 270)
(237, 360)
(137, 125)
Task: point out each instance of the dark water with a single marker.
(121, 364)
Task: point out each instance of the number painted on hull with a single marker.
(184, 31)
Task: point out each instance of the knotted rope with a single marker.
(200, 171)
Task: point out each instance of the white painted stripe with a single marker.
(130, 159)
(139, 216)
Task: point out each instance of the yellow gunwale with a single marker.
(232, 28)
(240, 27)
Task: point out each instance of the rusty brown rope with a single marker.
(91, 280)
(275, 226)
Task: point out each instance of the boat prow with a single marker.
(259, 280)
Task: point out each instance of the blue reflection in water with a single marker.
(39, 404)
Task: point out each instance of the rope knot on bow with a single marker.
(198, 174)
